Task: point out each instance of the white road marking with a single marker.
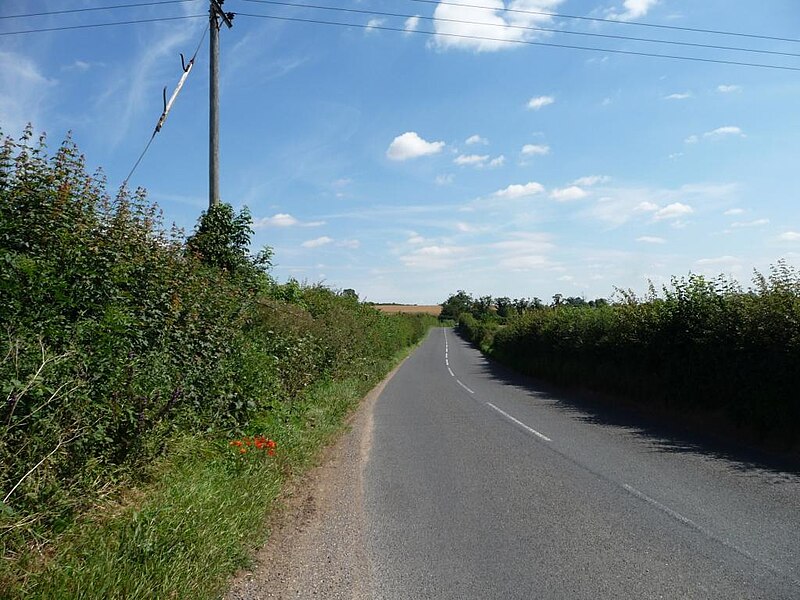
(447, 362)
(465, 387)
(686, 521)
(520, 423)
(451, 372)
(665, 509)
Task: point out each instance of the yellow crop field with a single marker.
(430, 309)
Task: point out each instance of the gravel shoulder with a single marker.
(316, 547)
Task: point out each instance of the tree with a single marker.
(455, 305)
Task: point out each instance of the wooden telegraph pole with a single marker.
(216, 14)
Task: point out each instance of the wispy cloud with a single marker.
(476, 139)
(728, 131)
(317, 242)
(540, 102)
(728, 89)
(535, 149)
(283, 220)
(411, 24)
(632, 9)
(649, 239)
(24, 91)
(678, 96)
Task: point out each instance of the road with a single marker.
(480, 485)
(460, 480)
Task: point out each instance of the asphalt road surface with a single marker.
(479, 484)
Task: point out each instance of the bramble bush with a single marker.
(118, 335)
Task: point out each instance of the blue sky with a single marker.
(408, 166)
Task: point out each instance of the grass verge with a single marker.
(201, 516)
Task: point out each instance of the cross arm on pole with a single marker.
(216, 9)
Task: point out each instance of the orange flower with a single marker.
(242, 450)
(271, 452)
(271, 444)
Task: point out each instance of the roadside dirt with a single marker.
(316, 546)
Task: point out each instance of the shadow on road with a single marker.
(663, 432)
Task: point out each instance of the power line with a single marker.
(68, 27)
(526, 42)
(167, 106)
(94, 8)
(526, 28)
(614, 21)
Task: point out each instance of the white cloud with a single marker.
(675, 155)
(648, 239)
(539, 102)
(646, 207)
(535, 149)
(278, 220)
(755, 223)
(568, 193)
(717, 134)
(520, 191)
(729, 89)
(476, 139)
(789, 236)
(734, 211)
(721, 132)
(673, 211)
(471, 159)
(374, 23)
(317, 242)
(411, 145)
(349, 244)
(444, 179)
(498, 161)
(678, 96)
(411, 24)
(490, 20)
(633, 9)
(591, 180)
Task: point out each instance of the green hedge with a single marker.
(119, 336)
(706, 346)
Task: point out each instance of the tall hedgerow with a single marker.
(703, 345)
(118, 334)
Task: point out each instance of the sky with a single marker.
(409, 165)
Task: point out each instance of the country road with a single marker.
(470, 482)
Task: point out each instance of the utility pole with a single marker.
(215, 15)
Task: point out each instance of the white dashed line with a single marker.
(465, 387)
(451, 372)
(520, 423)
(675, 515)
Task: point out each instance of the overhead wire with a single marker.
(163, 116)
(525, 28)
(524, 42)
(94, 8)
(94, 25)
(614, 21)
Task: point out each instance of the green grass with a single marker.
(199, 520)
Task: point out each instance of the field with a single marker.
(428, 309)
